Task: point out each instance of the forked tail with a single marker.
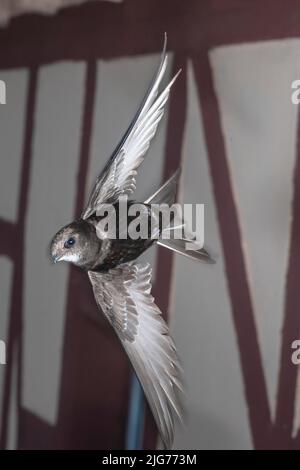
(166, 195)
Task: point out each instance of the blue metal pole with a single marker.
(136, 416)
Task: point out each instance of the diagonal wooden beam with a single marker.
(242, 309)
(291, 325)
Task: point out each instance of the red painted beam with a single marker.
(242, 309)
(106, 30)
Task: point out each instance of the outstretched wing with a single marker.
(124, 296)
(118, 176)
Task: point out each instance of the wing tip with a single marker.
(173, 80)
(165, 42)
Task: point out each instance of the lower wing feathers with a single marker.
(124, 296)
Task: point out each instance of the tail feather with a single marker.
(167, 192)
(166, 195)
(179, 246)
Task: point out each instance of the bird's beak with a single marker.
(54, 252)
(56, 259)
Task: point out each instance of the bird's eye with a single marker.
(70, 242)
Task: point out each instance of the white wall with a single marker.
(252, 83)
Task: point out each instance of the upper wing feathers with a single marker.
(118, 176)
(124, 296)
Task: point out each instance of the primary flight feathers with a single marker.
(118, 176)
(125, 298)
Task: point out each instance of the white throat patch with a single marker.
(71, 257)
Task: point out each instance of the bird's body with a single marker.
(98, 252)
(122, 288)
(118, 250)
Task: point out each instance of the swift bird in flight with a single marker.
(122, 287)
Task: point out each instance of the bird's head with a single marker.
(73, 243)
